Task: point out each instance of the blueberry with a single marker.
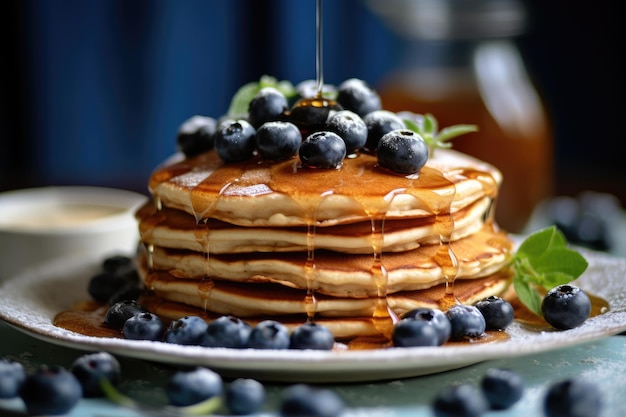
(227, 331)
(12, 376)
(196, 135)
(269, 334)
(572, 398)
(104, 285)
(402, 151)
(121, 311)
(379, 123)
(301, 400)
(356, 95)
(234, 140)
(188, 330)
(498, 312)
(461, 400)
(130, 292)
(435, 318)
(311, 336)
(323, 150)
(244, 396)
(117, 264)
(50, 390)
(268, 104)
(308, 89)
(350, 127)
(411, 332)
(502, 388)
(191, 386)
(143, 326)
(310, 115)
(565, 307)
(278, 140)
(465, 321)
(90, 368)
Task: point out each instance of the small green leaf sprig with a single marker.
(542, 262)
(428, 128)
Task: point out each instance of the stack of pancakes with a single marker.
(349, 248)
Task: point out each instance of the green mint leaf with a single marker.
(542, 241)
(528, 295)
(428, 129)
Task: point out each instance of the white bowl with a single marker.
(41, 224)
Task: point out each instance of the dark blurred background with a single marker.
(92, 92)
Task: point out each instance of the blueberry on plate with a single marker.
(565, 307)
(143, 326)
(410, 332)
(50, 390)
(379, 123)
(226, 331)
(402, 151)
(12, 376)
(269, 334)
(465, 322)
(311, 336)
(303, 400)
(572, 398)
(234, 140)
(502, 388)
(244, 396)
(350, 127)
(196, 135)
(498, 312)
(188, 330)
(462, 400)
(121, 311)
(268, 104)
(191, 386)
(90, 368)
(103, 285)
(277, 141)
(435, 318)
(323, 149)
(358, 96)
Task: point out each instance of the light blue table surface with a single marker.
(602, 362)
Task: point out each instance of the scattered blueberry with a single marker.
(188, 330)
(12, 376)
(50, 390)
(227, 331)
(465, 321)
(435, 318)
(356, 95)
(323, 150)
(129, 292)
(498, 312)
(411, 332)
(379, 123)
(502, 388)
(461, 400)
(402, 151)
(269, 334)
(118, 264)
(104, 285)
(565, 307)
(143, 326)
(234, 140)
(572, 398)
(90, 368)
(350, 127)
(301, 400)
(117, 276)
(121, 311)
(196, 135)
(278, 140)
(191, 386)
(269, 104)
(311, 336)
(244, 396)
(310, 115)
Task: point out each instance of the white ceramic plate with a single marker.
(31, 300)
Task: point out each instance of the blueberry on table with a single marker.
(89, 369)
(12, 376)
(402, 151)
(188, 330)
(269, 334)
(143, 326)
(311, 336)
(244, 396)
(358, 96)
(498, 312)
(191, 386)
(435, 318)
(379, 123)
(269, 104)
(323, 150)
(50, 390)
(196, 135)
(301, 400)
(227, 331)
(572, 398)
(465, 322)
(278, 140)
(461, 400)
(350, 127)
(234, 140)
(565, 307)
(502, 388)
(410, 332)
(121, 311)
